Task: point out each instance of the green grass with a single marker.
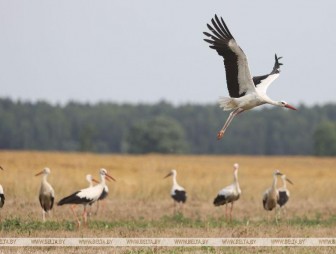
(175, 221)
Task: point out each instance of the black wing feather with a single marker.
(180, 196)
(2, 200)
(276, 69)
(220, 38)
(74, 199)
(283, 198)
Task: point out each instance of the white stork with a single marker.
(283, 192)
(229, 194)
(102, 197)
(178, 193)
(271, 195)
(2, 194)
(246, 91)
(90, 179)
(46, 194)
(86, 196)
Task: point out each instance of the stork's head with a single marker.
(45, 171)
(171, 173)
(284, 177)
(285, 105)
(103, 173)
(277, 173)
(235, 166)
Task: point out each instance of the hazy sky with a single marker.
(146, 51)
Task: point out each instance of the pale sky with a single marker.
(146, 51)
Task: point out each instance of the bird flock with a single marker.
(246, 92)
(272, 198)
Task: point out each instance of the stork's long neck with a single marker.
(174, 180)
(284, 183)
(274, 182)
(102, 179)
(44, 178)
(270, 101)
(235, 179)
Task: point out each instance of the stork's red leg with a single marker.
(74, 213)
(237, 111)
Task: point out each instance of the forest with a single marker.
(166, 128)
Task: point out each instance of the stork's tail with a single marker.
(227, 103)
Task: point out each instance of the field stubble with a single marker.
(139, 205)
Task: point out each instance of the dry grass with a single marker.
(139, 204)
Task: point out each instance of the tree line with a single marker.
(165, 128)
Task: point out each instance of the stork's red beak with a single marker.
(94, 180)
(109, 177)
(40, 173)
(169, 174)
(290, 107)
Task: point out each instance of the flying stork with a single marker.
(2, 194)
(177, 193)
(86, 196)
(283, 192)
(46, 194)
(246, 91)
(229, 194)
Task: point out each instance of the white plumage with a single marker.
(46, 194)
(283, 192)
(86, 196)
(2, 194)
(246, 91)
(229, 194)
(178, 193)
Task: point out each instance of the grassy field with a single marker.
(139, 204)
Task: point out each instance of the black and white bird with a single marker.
(2, 194)
(46, 194)
(178, 193)
(229, 194)
(283, 192)
(86, 196)
(271, 195)
(246, 91)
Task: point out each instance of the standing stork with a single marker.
(2, 194)
(283, 192)
(46, 194)
(271, 195)
(103, 196)
(177, 193)
(230, 193)
(246, 92)
(86, 196)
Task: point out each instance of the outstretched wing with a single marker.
(263, 82)
(238, 76)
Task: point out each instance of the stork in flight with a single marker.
(283, 192)
(229, 194)
(47, 194)
(246, 91)
(86, 196)
(177, 193)
(2, 194)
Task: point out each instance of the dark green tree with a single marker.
(325, 139)
(159, 135)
